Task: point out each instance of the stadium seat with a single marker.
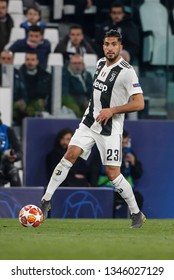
(16, 33)
(91, 10)
(90, 62)
(154, 19)
(17, 19)
(90, 59)
(5, 104)
(154, 87)
(170, 48)
(58, 9)
(69, 9)
(19, 58)
(55, 59)
(15, 7)
(52, 34)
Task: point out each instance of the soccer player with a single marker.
(116, 91)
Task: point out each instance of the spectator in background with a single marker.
(130, 32)
(6, 58)
(125, 55)
(34, 42)
(76, 85)
(10, 152)
(6, 24)
(32, 89)
(78, 175)
(131, 169)
(33, 15)
(74, 43)
(87, 21)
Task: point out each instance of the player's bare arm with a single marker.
(136, 104)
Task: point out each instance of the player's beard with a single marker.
(112, 59)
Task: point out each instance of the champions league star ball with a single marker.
(30, 216)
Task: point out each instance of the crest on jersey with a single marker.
(113, 75)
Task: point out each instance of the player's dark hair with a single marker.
(113, 33)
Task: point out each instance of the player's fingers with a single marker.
(99, 118)
(105, 122)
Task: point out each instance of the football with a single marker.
(30, 216)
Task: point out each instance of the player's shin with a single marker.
(59, 174)
(123, 187)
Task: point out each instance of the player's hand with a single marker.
(104, 115)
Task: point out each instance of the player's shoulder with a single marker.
(101, 61)
(125, 65)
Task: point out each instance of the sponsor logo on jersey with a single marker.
(100, 86)
(136, 85)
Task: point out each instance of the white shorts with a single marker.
(110, 147)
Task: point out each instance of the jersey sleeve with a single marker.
(131, 82)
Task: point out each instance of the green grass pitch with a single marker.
(87, 239)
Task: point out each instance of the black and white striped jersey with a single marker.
(112, 86)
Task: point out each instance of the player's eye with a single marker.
(111, 44)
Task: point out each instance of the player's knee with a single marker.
(112, 172)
